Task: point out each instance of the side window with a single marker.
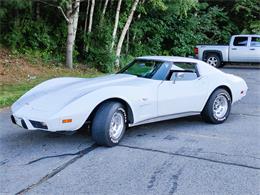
(183, 71)
(240, 41)
(192, 67)
(255, 42)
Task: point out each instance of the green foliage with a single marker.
(35, 37)
(99, 54)
(249, 10)
(159, 27)
(169, 33)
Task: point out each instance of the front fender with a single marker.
(81, 108)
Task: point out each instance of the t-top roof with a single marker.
(168, 58)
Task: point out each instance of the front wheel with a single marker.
(218, 107)
(109, 124)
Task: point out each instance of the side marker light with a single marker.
(66, 120)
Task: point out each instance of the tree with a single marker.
(86, 19)
(158, 27)
(250, 10)
(71, 16)
(72, 20)
(91, 16)
(104, 10)
(116, 24)
(90, 22)
(124, 31)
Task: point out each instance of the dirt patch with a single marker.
(16, 68)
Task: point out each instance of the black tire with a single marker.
(102, 121)
(214, 60)
(208, 113)
(222, 64)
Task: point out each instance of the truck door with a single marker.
(254, 49)
(239, 49)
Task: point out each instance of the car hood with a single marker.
(54, 94)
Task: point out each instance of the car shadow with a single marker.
(172, 124)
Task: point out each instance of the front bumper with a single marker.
(31, 118)
(28, 124)
(52, 125)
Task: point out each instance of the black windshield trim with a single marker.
(137, 59)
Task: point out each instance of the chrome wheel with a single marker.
(116, 126)
(213, 61)
(220, 106)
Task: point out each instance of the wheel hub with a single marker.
(213, 61)
(116, 125)
(220, 106)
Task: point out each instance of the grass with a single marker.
(19, 73)
(9, 93)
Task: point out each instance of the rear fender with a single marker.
(205, 53)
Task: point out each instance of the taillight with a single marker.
(196, 51)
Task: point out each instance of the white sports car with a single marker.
(149, 89)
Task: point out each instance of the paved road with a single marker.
(182, 156)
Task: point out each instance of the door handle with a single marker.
(234, 48)
(252, 49)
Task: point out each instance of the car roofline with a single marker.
(169, 58)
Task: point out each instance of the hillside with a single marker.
(16, 68)
(20, 73)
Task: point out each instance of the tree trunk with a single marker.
(125, 29)
(73, 15)
(116, 24)
(86, 19)
(91, 15)
(127, 42)
(104, 9)
(90, 22)
(138, 18)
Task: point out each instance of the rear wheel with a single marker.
(109, 124)
(218, 107)
(214, 60)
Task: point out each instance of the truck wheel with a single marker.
(109, 124)
(213, 60)
(218, 107)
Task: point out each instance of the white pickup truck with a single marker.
(241, 48)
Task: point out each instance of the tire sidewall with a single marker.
(212, 99)
(102, 120)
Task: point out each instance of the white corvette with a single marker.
(149, 89)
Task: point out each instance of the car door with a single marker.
(239, 50)
(254, 49)
(183, 92)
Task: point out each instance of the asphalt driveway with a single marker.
(181, 156)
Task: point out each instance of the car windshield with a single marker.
(151, 69)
